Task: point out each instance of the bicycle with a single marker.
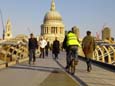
(72, 65)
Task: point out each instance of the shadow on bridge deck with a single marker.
(50, 72)
(58, 78)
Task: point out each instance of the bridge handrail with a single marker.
(107, 66)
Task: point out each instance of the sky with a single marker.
(27, 15)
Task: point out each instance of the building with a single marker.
(106, 33)
(8, 31)
(53, 25)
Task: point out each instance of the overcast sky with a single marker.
(85, 14)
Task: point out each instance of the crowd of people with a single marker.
(70, 44)
(44, 46)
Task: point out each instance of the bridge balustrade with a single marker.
(104, 54)
(11, 52)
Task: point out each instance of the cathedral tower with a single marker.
(8, 32)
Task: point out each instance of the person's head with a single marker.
(88, 33)
(73, 29)
(31, 35)
(41, 38)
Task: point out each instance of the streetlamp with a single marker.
(2, 24)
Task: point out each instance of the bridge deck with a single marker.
(97, 77)
(48, 72)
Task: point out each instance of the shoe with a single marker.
(67, 70)
(66, 67)
(33, 63)
(72, 73)
(88, 70)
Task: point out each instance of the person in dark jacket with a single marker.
(47, 47)
(64, 46)
(56, 48)
(32, 46)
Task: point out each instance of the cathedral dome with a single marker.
(52, 14)
(53, 25)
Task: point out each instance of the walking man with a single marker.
(47, 48)
(32, 46)
(56, 48)
(88, 45)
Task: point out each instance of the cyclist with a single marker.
(72, 46)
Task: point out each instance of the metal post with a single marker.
(2, 23)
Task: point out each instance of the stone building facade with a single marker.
(106, 33)
(8, 30)
(53, 25)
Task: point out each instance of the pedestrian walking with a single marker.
(88, 45)
(47, 47)
(42, 44)
(64, 46)
(32, 46)
(56, 48)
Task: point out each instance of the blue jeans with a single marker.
(72, 53)
(32, 55)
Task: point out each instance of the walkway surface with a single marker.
(50, 72)
(97, 77)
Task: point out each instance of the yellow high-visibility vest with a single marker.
(72, 39)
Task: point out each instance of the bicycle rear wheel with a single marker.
(72, 67)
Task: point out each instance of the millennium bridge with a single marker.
(15, 70)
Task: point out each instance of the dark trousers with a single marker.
(72, 53)
(46, 52)
(42, 52)
(56, 55)
(32, 55)
(88, 62)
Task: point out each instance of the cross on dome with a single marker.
(52, 6)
